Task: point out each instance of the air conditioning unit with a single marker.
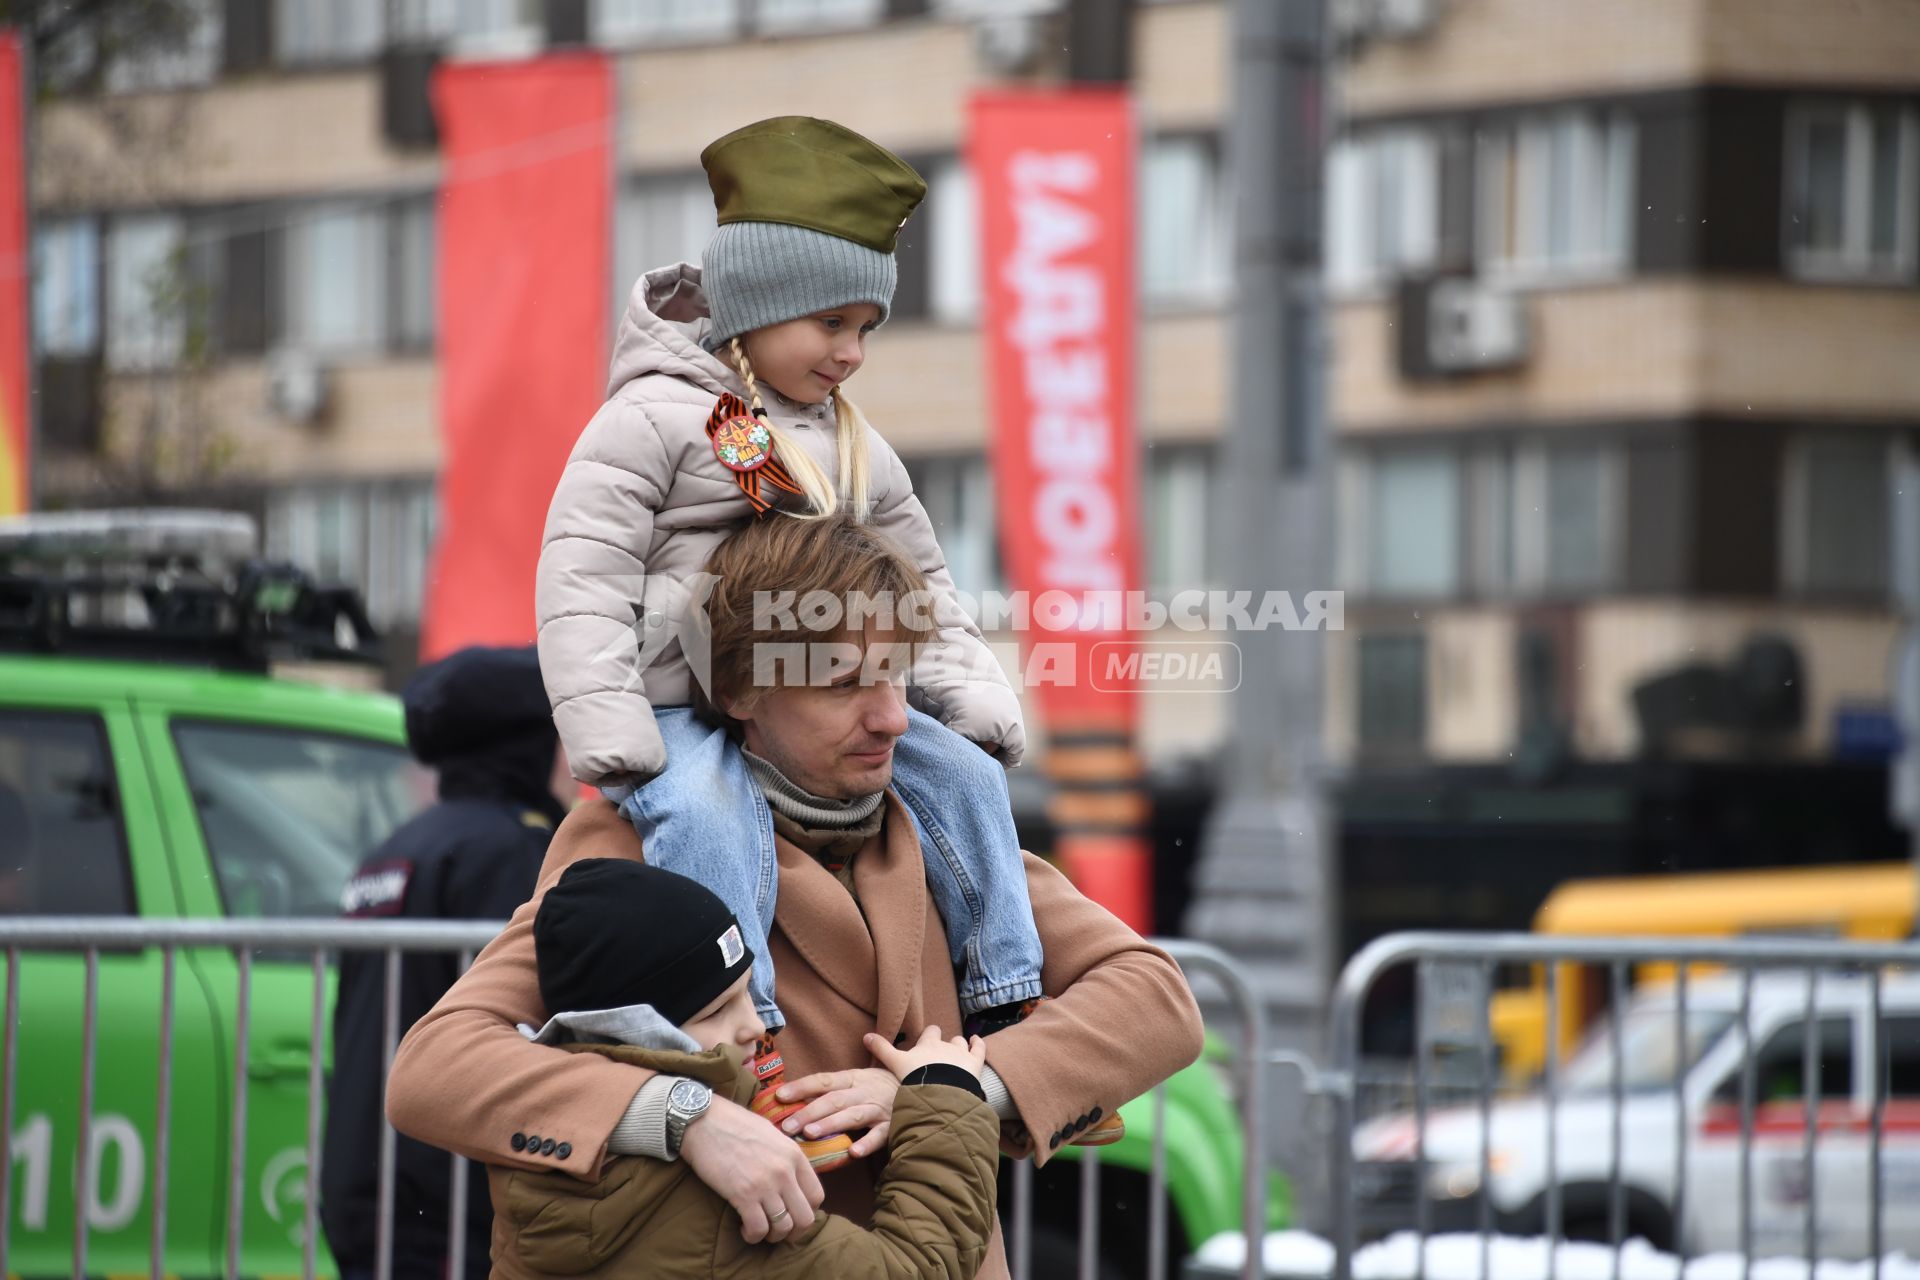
(1472, 327)
(298, 386)
(1012, 43)
(1357, 21)
(1403, 19)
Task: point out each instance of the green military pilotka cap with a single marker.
(809, 213)
(815, 174)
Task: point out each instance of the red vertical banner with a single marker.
(1054, 171)
(16, 274)
(525, 258)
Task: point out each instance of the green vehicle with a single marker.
(1204, 1162)
(159, 772)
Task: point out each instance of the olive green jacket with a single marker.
(933, 1211)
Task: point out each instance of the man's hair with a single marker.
(765, 573)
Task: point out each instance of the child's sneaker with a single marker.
(770, 1070)
(1102, 1127)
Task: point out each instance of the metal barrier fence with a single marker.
(1726, 1006)
(318, 941)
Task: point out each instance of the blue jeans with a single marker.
(692, 820)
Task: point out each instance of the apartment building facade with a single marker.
(235, 247)
(1623, 307)
(1622, 316)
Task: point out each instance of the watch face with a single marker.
(688, 1096)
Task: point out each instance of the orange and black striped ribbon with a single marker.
(726, 408)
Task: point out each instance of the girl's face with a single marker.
(805, 359)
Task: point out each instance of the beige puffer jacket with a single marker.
(642, 504)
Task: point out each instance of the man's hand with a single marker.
(843, 1101)
(755, 1168)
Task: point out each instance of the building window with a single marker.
(1851, 190)
(975, 9)
(660, 221)
(401, 518)
(1489, 519)
(1578, 509)
(1492, 520)
(420, 21)
(1392, 689)
(957, 493)
(336, 260)
(1401, 523)
(619, 22)
(1556, 194)
(1185, 242)
(1564, 505)
(1838, 514)
(145, 320)
(192, 59)
(375, 536)
(411, 272)
(953, 229)
(472, 26)
(66, 286)
(324, 31)
(1383, 207)
(803, 17)
(1179, 519)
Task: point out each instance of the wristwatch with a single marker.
(687, 1101)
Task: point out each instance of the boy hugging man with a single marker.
(650, 968)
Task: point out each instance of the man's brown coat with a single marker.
(1121, 1019)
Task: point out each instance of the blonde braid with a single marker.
(812, 478)
(850, 432)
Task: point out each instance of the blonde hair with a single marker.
(837, 555)
(850, 434)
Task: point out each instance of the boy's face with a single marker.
(805, 359)
(728, 1020)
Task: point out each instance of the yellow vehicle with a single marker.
(1869, 902)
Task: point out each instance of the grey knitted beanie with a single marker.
(757, 274)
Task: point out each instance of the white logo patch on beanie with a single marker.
(731, 947)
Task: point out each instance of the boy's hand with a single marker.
(969, 1055)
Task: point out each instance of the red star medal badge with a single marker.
(742, 444)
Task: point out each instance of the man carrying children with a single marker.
(857, 947)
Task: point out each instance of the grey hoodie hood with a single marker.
(639, 1025)
(666, 329)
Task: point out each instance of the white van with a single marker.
(1652, 1151)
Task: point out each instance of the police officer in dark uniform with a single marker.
(480, 718)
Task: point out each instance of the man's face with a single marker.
(805, 359)
(833, 740)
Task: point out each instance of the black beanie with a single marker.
(615, 932)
